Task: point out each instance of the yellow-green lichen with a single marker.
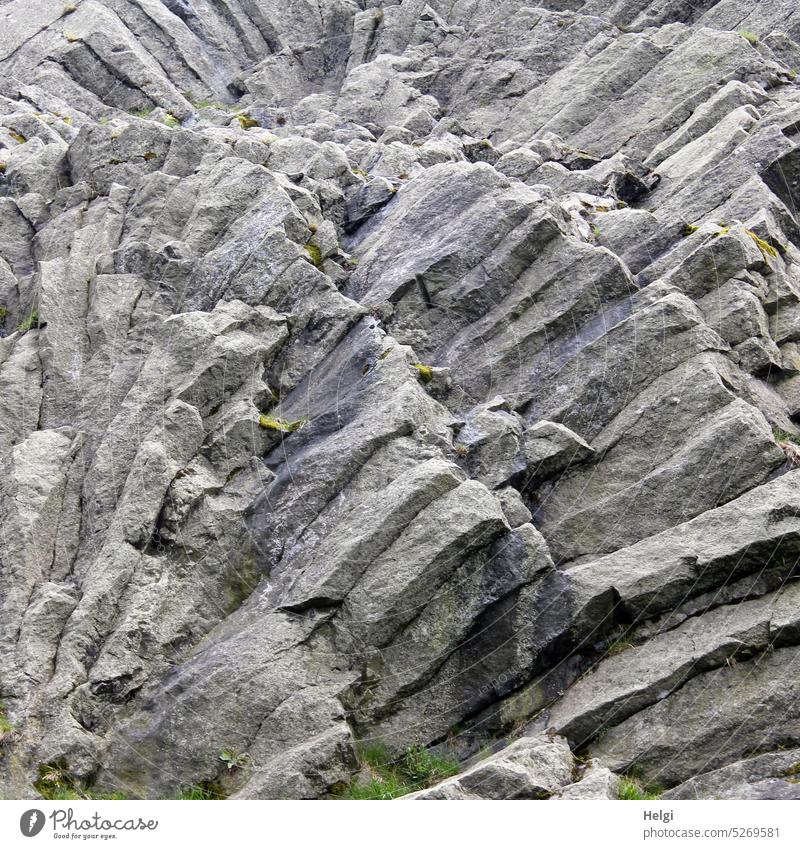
(766, 248)
(425, 372)
(246, 121)
(280, 425)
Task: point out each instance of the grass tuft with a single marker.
(30, 322)
(389, 778)
(631, 789)
(749, 36)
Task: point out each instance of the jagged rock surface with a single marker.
(401, 371)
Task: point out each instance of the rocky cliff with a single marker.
(422, 374)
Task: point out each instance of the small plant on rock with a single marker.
(233, 759)
(6, 727)
(749, 36)
(30, 322)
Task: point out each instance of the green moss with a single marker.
(143, 113)
(391, 777)
(171, 121)
(766, 248)
(749, 36)
(18, 137)
(149, 156)
(314, 255)
(688, 229)
(30, 322)
(3, 316)
(279, 424)
(633, 789)
(246, 121)
(425, 372)
(3, 167)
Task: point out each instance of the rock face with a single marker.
(423, 373)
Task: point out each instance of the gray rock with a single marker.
(530, 768)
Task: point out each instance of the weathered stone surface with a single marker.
(530, 768)
(404, 373)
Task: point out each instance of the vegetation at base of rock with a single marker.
(280, 424)
(30, 322)
(425, 372)
(314, 255)
(18, 137)
(390, 777)
(785, 436)
(749, 36)
(632, 789)
(171, 121)
(3, 316)
(688, 229)
(55, 783)
(203, 791)
(6, 727)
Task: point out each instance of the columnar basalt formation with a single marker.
(423, 373)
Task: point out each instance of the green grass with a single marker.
(749, 36)
(784, 436)
(204, 791)
(688, 229)
(6, 726)
(631, 789)
(391, 777)
(30, 322)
